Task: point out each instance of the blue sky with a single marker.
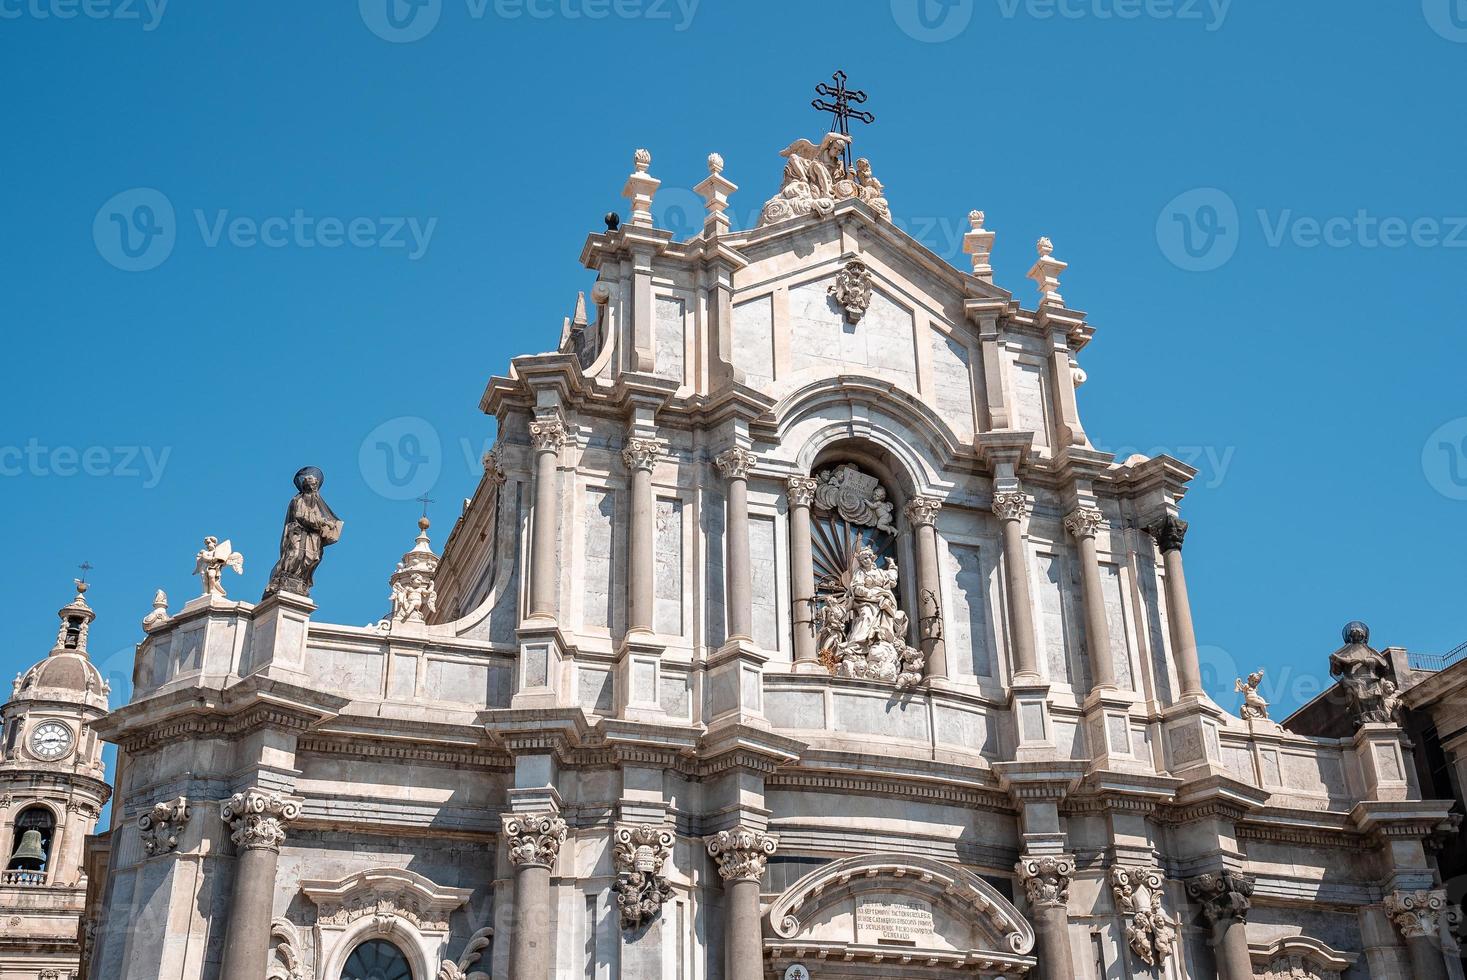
(373, 210)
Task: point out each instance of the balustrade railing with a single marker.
(22, 878)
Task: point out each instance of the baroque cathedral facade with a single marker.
(796, 629)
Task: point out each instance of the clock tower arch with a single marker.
(52, 790)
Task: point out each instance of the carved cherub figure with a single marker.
(212, 560)
(1253, 704)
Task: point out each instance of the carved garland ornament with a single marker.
(534, 839)
(638, 855)
(160, 826)
(1046, 880)
(741, 853)
(384, 909)
(1416, 914)
(257, 819)
(1138, 897)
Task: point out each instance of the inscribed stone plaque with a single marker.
(899, 920)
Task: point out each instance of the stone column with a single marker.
(1169, 532)
(802, 573)
(922, 514)
(735, 465)
(533, 842)
(1083, 523)
(641, 456)
(742, 854)
(1417, 917)
(1011, 506)
(1047, 884)
(548, 436)
(1225, 897)
(257, 820)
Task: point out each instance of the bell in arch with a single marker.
(29, 856)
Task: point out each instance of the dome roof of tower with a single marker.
(66, 677)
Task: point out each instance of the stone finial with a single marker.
(159, 615)
(1046, 273)
(534, 839)
(1416, 914)
(210, 563)
(1046, 879)
(716, 190)
(1138, 892)
(741, 853)
(257, 818)
(978, 243)
(160, 826)
(414, 594)
(1254, 707)
(1222, 895)
(638, 853)
(641, 188)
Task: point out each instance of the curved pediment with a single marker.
(888, 908)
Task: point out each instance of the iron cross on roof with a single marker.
(841, 109)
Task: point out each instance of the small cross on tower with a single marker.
(85, 567)
(841, 109)
(425, 500)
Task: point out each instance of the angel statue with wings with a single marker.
(211, 562)
(1253, 704)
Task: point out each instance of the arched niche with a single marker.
(861, 916)
(1299, 958)
(399, 906)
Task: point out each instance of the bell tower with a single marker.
(52, 790)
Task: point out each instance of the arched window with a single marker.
(377, 959)
(34, 828)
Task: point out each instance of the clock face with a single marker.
(51, 741)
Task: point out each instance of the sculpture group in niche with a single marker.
(816, 179)
(861, 630)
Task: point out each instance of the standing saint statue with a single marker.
(310, 527)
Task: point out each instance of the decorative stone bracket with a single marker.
(161, 826)
(1138, 892)
(638, 854)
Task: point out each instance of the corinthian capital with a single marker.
(641, 454)
(735, 463)
(1011, 505)
(1083, 522)
(547, 434)
(1046, 880)
(922, 511)
(534, 839)
(1223, 895)
(1168, 532)
(160, 826)
(257, 818)
(1416, 914)
(741, 853)
(801, 491)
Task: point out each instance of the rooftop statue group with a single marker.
(816, 179)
